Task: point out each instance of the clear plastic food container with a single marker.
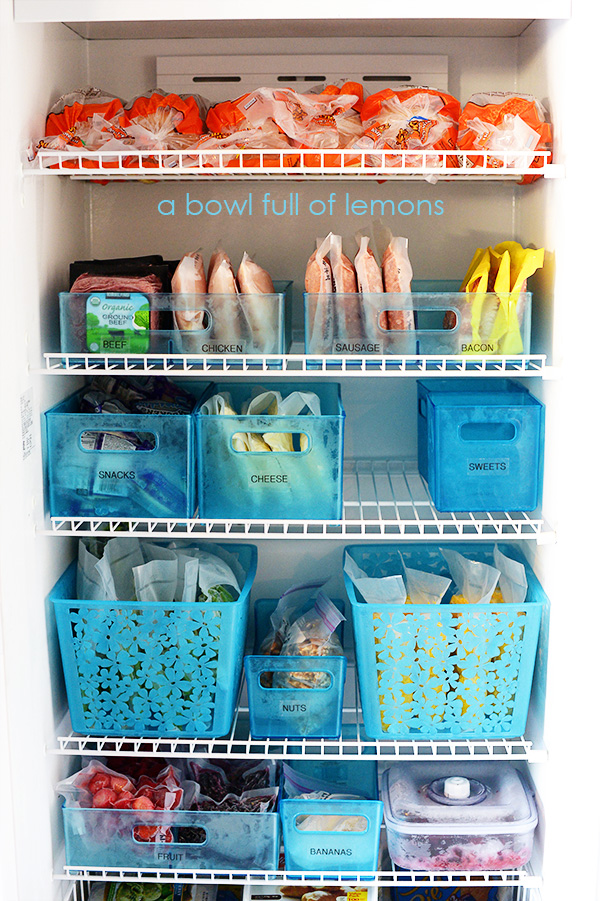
(458, 816)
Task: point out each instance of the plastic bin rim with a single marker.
(441, 294)
(525, 825)
(148, 813)
(284, 285)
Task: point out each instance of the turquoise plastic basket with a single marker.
(98, 838)
(299, 484)
(443, 671)
(293, 712)
(167, 669)
(327, 851)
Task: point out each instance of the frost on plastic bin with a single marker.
(106, 838)
(293, 712)
(323, 835)
(480, 444)
(436, 318)
(300, 478)
(168, 669)
(91, 473)
(458, 816)
(443, 671)
(137, 323)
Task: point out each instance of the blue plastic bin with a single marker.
(293, 712)
(167, 669)
(480, 445)
(443, 671)
(159, 482)
(98, 838)
(299, 484)
(327, 851)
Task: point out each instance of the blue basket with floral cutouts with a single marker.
(444, 671)
(151, 668)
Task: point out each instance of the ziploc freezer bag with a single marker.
(385, 590)
(475, 581)
(311, 635)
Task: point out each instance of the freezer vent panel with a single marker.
(226, 77)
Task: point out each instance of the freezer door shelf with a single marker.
(524, 878)
(382, 500)
(296, 364)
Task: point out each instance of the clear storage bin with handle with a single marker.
(300, 478)
(167, 669)
(444, 670)
(458, 816)
(135, 323)
(435, 318)
(278, 711)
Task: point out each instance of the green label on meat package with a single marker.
(117, 323)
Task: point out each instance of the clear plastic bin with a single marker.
(293, 712)
(167, 669)
(480, 445)
(97, 838)
(159, 481)
(215, 324)
(443, 671)
(458, 816)
(321, 850)
(436, 318)
(305, 483)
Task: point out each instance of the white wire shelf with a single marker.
(310, 164)
(521, 877)
(382, 500)
(276, 365)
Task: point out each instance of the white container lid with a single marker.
(457, 798)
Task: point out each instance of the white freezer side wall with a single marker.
(42, 230)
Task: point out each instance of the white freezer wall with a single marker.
(56, 221)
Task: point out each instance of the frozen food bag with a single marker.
(225, 306)
(368, 271)
(319, 285)
(231, 128)
(90, 586)
(475, 581)
(261, 314)
(512, 580)
(311, 635)
(284, 614)
(156, 580)
(384, 590)
(397, 276)
(514, 125)
(416, 119)
(300, 785)
(425, 588)
(121, 556)
(189, 278)
(161, 121)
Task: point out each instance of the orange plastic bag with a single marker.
(229, 129)
(419, 119)
(506, 122)
(85, 121)
(160, 121)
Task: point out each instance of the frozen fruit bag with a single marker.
(211, 778)
(397, 276)
(383, 590)
(96, 779)
(311, 635)
(513, 124)
(261, 313)
(474, 581)
(319, 286)
(419, 118)
(348, 307)
(425, 588)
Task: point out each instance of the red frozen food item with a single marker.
(505, 122)
(419, 118)
(368, 270)
(397, 275)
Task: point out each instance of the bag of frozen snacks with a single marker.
(311, 635)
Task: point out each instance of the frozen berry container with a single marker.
(458, 816)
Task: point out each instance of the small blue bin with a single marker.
(480, 445)
(158, 482)
(326, 851)
(299, 484)
(167, 669)
(293, 712)
(443, 671)
(98, 838)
